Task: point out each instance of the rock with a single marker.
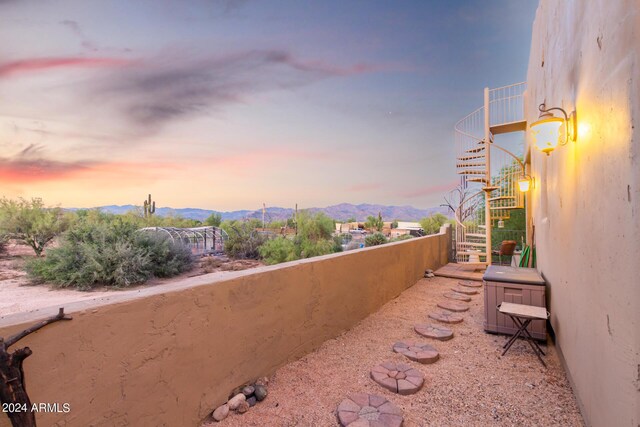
(264, 381)
(248, 390)
(260, 392)
(221, 412)
(242, 407)
(430, 275)
(235, 401)
(428, 270)
(252, 401)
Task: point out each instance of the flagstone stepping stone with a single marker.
(434, 331)
(453, 306)
(398, 377)
(457, 296)
(470, 283)
(422, 353)
(368, 410)
(463, 290)
(446, 317)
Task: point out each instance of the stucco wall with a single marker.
(586, 203)
(171, 355)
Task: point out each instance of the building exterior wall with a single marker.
(171, 355)
(586, 201)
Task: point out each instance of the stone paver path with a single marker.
(418, 352)
(464, 290)
(398, 377)
(453, 306)
(470, 283)
(457, 296)
(368, 410)
(434, 331)
(446, 317)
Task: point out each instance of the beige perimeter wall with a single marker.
(170, 356)
(586, 205)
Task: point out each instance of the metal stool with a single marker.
(522, 315)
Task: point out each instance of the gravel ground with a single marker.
(471, 385)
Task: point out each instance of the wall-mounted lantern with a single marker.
(500, 223)
(548, 130)
(525, 182)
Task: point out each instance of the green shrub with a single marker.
(109, 252)
(345, 238)
(244, 241)
(4, 239)
(31, 222)
(374, 223)
(315, 227)
(167, 258)
(401, 238)
(214, 219)
(311, 248)
(375, 239)
(432, 224)
(280, 249)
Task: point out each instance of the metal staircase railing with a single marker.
(487, 171)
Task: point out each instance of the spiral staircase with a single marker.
(488, 171)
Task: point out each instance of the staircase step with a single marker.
(471, 172)
(475, 150)
(502, 198)
(470, 165)
(477, 156)
(490, 187)
(477, 179)
(497, 208)
(475, 235)
(471, 244)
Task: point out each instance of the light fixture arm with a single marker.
(569, 133)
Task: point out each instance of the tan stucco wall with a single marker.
(171, 355)
(586, 204)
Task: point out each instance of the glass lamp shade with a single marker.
(546, 133)
(524, 184)
(500, 224)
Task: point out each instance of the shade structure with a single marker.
(200, 240)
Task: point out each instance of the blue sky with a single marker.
(229, 104)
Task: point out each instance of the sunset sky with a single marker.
(228, 104)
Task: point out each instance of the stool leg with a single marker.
(513, 339)
(517, 334)
(529, 339)
(533, 341)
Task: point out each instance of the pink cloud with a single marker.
(427, 191)
(330, 69)
(41, 64)
(29, 167)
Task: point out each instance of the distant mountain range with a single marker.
(340, 212)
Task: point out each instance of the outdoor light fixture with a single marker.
(524, 183)
(500, 223)
(547, 130)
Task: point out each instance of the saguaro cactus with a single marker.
(149, 207)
